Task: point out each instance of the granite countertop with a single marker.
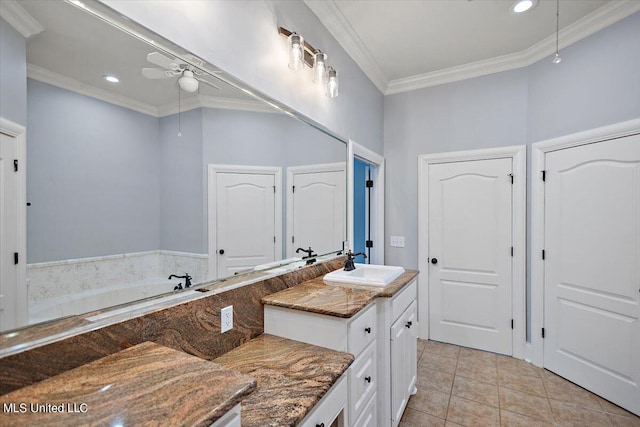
(146, 384)
(292, 378)
(335, 299)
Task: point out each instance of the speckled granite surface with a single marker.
(192, 327)
(147, 384)
(292, 377)
(335, 299)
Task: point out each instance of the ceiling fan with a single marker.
(189, 79)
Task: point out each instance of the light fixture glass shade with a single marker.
(296, 51)
(187, 82)
(332, 83)
(319, 67)
(557, 59)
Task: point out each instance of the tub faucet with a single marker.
(348, 264)
(187, 281)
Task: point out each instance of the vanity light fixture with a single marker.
(319, 67)
(301, 53)
(332, 83)
(111, 78)
(520, 6)
(556, 58)
(296, 51)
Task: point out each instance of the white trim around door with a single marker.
(355, 150)
(538, 152)
(212, 170)
(519, 209)
(18, 132)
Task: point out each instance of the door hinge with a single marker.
(274, 189)
(293, 188)
(542, 332)
(293, 239)
(369, 183)
(511, 176)
(368, 243)
(15, 258)
(511, 250)
(511, 323)
(15, 165)
(544, 176)
(274, 239)
(543, 254)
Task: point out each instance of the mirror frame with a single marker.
(11, 341)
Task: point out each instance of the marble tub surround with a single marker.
(335, 299)
(142, 385)
(36, 353)
(292, 377)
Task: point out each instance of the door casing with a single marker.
(535, 352)
(518, 155)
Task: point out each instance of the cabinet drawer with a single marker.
(330, 407)
(363, 381)
(368, 417)
(362, 330)
(400, 302)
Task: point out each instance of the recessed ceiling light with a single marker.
(111, 78)
(520, 6)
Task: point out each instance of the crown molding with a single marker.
(18, 18)
(604, 16)
(332, 18)
(201, 101)
(43, 75)
(207, 101)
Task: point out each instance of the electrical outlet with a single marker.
(397, 241)
(226, 319)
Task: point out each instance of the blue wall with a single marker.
(359, 208)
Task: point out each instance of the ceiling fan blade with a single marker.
(158, 73)
(208, 83)
(164, 61)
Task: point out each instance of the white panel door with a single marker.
(318, 211)
(245, 221)
(8, 233)
(592, 268)
(470, 284)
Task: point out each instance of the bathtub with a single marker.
(76, 286)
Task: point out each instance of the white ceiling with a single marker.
(407, 44)
(74, 50)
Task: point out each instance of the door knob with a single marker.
(434, 260)
(221, 251)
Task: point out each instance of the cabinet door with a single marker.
(411, 344)
(398, 368)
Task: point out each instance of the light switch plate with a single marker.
(226, 319)
(397, 241)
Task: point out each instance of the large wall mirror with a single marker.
(132, 182)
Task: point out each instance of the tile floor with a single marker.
(458, 386)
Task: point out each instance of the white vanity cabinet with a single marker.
(230, 419)
(355, 335)
(397, 364)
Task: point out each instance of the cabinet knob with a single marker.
(408, 325)
(367, 330)
(367, 379)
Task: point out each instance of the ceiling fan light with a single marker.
(520, 6)
(187, 82)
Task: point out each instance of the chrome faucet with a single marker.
(187, 281)
(348, 264)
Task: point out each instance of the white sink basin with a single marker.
(366, 274)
